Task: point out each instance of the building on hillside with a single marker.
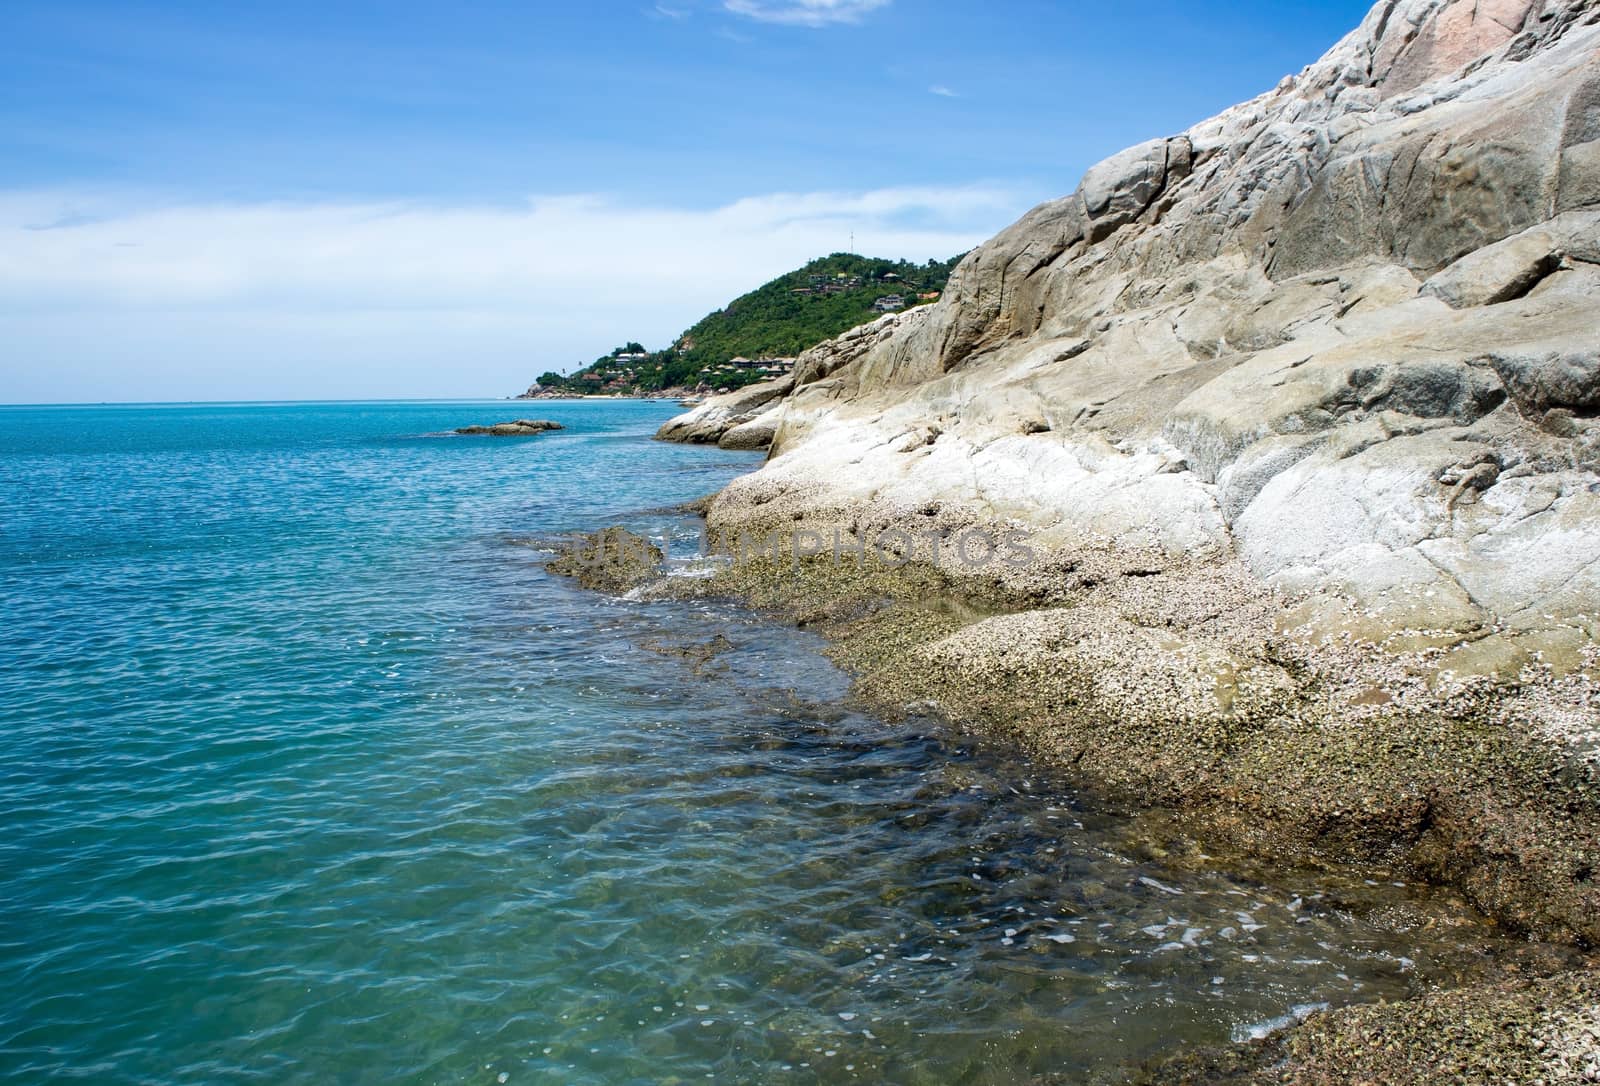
(928, 296)
(889, 303)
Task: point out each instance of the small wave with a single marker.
(1257, 1031)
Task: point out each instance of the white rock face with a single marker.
(708, 423)
(1348, 331)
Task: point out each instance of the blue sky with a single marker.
(295, 200)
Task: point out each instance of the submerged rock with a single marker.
(612, 560)
(698, 653)
(517, 428)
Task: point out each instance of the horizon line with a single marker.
(281, 400)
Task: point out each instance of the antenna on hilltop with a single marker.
(852, 240)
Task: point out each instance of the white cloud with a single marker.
(942, 91)
(102, 294)
(805, 12)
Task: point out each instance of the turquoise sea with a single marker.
(311, 774)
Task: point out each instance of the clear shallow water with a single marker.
(312, 774)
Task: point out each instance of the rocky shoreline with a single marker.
(1524, 1030)
(1286, 751)
(1297, 413)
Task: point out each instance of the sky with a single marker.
(346, 200)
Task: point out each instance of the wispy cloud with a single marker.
(65, 220)
(297, 299)
(805, 12)
(662, 11)
(942, 91)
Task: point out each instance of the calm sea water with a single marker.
(311, 774)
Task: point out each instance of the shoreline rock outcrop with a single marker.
(1299, 412)
(1384, 267)
(613, 560)
(716, 417)
(1344, 332)
(748, 418)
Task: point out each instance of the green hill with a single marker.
(777, 320)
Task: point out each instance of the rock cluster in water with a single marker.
(516, 428)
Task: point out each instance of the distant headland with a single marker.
(757, 336)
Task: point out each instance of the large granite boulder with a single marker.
(1344, 330)
(755, 434)
(707, 423)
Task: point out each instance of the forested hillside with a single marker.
(741, 342)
